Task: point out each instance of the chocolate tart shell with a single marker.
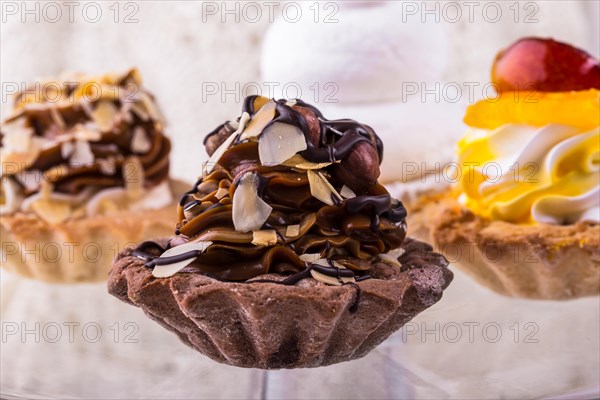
(271, 326)
(542, 261)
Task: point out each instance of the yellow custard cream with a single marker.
(533, 160)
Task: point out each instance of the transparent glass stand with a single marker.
(79, 342)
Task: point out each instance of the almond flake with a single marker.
(331, 280)
(88, 131)
(66, 149)
(82, 154)
(12, 163)
(292, 231)
(299, 162)
(104, 115)
(210, 165)
(347, 193)
(279, 142)
(260, 120)
(310, 257)
(221, 192)
(264, 238)
(151, 107)
(167, 270)
(51, 211)
(140, 143)
(249, 211)
(30, 179)
(107, 166)
(139, 110)
(390, 260)
(321, 189)
(10, 196)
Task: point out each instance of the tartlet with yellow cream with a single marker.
(523, 217)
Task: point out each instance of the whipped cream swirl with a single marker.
(526, 174)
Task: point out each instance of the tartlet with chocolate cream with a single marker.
(289, 253)
(85, 173)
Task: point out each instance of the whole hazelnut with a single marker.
(360, 169)
(314, 126)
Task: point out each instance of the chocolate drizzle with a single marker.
(351, 232)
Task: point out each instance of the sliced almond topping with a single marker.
(10, 196)
(88, 131)
(151, 107)
(46, 189)
(279, 142)
(321, 189)
(30, 179)
(66, 149)
(13, 163)
(310, 257)
(51, 211)
(19, 151)
(299, 162)
(249, 211)
(107, 166)
(389, 259)
(167, 270)
(140, 143)
(347, 193)
(139, 110)
(260, 120)
(82, 154)
(17, 137)
(264, 238)
(104, 115)
(331, 280)
(292, 231)
(221, 192)
(210, 165)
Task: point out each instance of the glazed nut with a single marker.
(360, 169)
(215, 141)
(314, 127)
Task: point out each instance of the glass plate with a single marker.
(79, 342)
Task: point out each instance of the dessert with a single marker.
(288, 252)
(524, 217)
(84, 173)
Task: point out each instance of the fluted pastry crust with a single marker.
(78, 250)
(267, 325)
(531, 261)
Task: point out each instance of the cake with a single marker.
(523, 217)
(288, 252)
(85, 172)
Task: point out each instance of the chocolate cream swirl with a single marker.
(349, 232)
(76, 135)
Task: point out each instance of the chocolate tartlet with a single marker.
(288, 252)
